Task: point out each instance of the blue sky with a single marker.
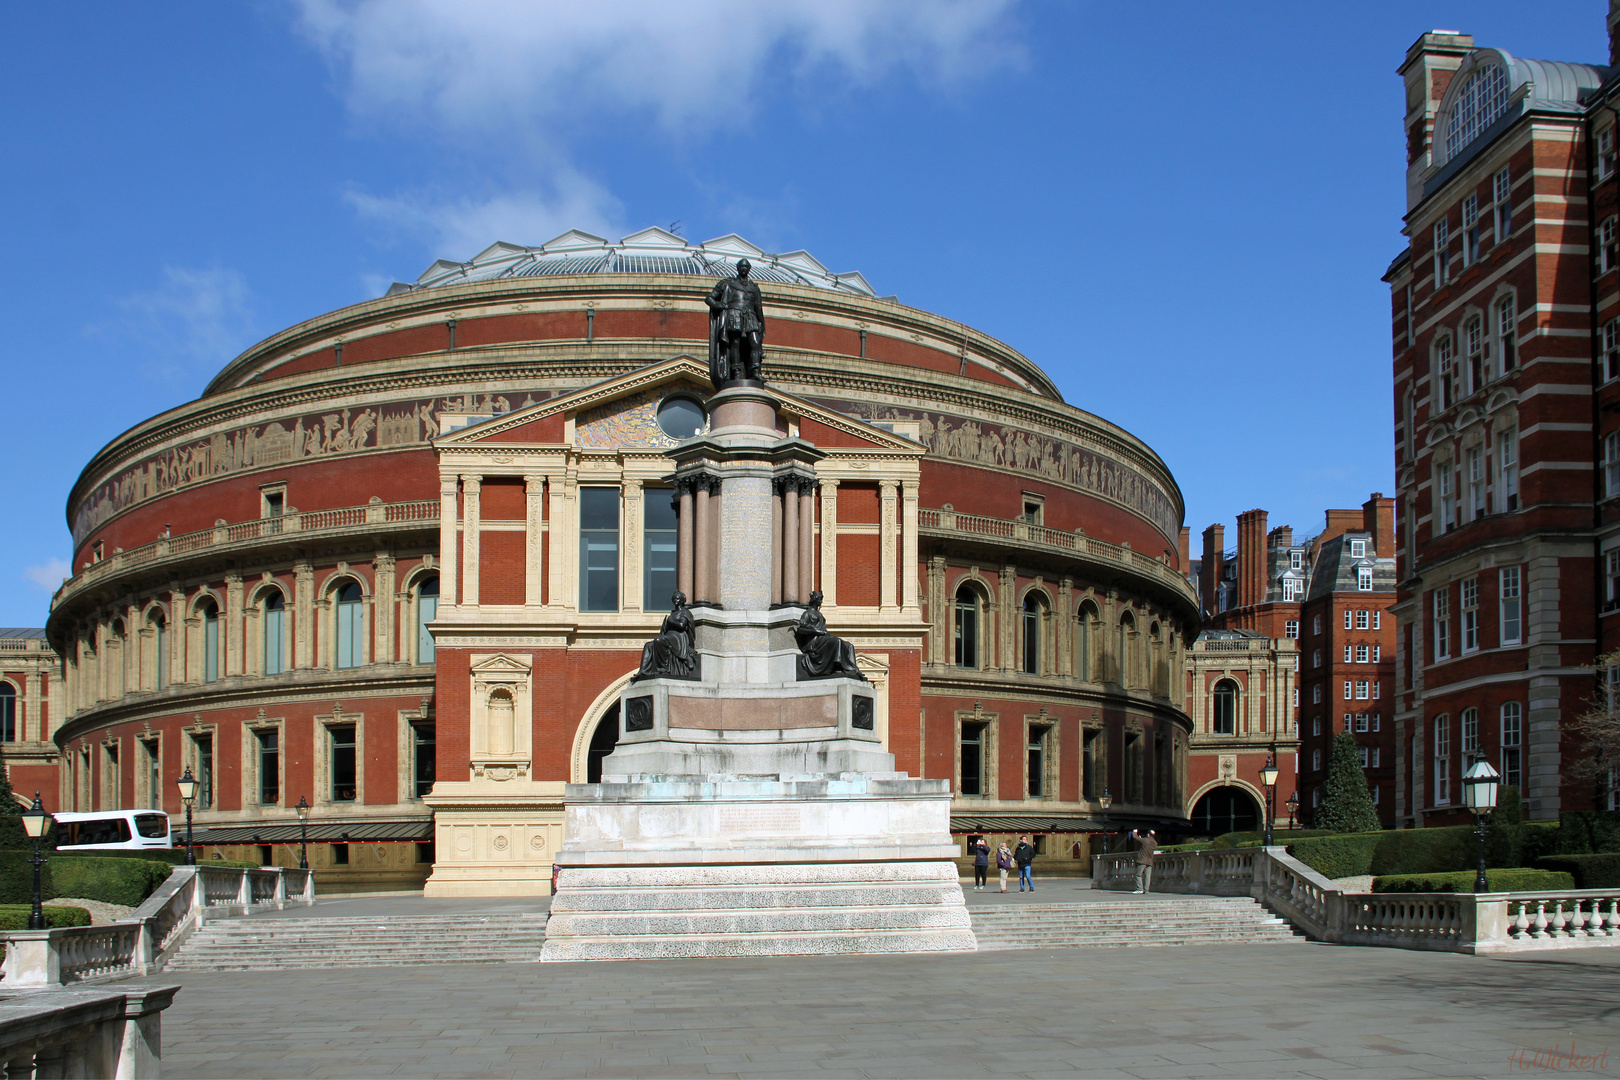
(1180, 210)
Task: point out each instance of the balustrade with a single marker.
(84, 1033)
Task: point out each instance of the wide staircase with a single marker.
(1111, 924)
(254, 944)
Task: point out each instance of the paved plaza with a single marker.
(1303, 1010)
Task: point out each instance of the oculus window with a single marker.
(681, 417)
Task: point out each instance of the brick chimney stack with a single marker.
(1430, 63)
(1184, 549)
(1209, 571)
(1378, 513)
(1614, 23)
(1251, 558)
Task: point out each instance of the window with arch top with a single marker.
(8, 712)
(160, 649)
(1034, 632)
(967, 627)
(350, 624)
(273, 609)
(1223, 717)
(210, 628)
(427, 609)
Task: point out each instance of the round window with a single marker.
(680, 417)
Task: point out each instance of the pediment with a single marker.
(653, 238)
(571, 240)
(732, 244)
(500, 664)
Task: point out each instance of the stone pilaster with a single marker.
(534, 491)
(908, 542)
(233, 625)
(888, 540)
(470, 486)
(304, 614)
(829, 543)
(939, 612)
(382, 613)
(1007, 617)
(448, 586)
(632, 531)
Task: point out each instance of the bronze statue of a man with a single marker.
(736, 329)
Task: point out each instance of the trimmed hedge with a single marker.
(1280, 836)
(1514, 879)
(1589, 871)
(112, 881)
(1424, 851)
(1588, 832)
(17, 878)
(15, 916)
(169, 857)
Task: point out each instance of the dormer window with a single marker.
(1358, 549)
(1483, 99)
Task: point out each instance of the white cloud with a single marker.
(48, 575)
(694, 65)
(193, 321)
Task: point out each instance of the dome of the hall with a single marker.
(650, 251)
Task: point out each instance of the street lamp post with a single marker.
(303, 834)
(1293, 809)
(188, 792)
(36, 822)
(1479, 795)
(1268, 777)
(1105, 802)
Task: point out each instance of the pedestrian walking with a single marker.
(1023, 855)
(1145, 846)
(1004, 862)
(981, 860)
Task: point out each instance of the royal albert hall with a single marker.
(398, 561)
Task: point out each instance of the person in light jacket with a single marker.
(980, 847)
(1004, 863)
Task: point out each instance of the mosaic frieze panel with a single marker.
(631, 420)
(1004, 447)
(290, 439)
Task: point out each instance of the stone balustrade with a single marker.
(84, 1033)
(1024, 534)
(142, 944)
(1446, 922)
(245, 534)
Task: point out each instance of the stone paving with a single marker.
(1238, 1011)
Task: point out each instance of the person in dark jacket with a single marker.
(980, 847)
(1146, 844)
(1023, 855)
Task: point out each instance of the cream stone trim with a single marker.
(249, 772)
(580, 752)
(321, 758)
(499, 681)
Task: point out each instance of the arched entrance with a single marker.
(1224, 810)
(603, 740)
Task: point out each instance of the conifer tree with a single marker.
(12, 836)
(1346, 804)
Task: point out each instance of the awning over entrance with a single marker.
(327, 832)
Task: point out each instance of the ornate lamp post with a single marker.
(188, 793)
(303, 834)
(1268, 777)
(1105, 802)
(1293, 809)
(36, 822)
(1479, 795)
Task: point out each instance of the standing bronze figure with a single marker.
(822, 655)
(736, 330)
(672, 654)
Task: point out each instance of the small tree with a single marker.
(1596, 732)
(12, 835)
(1346, 805)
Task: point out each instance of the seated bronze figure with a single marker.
(673, 653)
(822, 655)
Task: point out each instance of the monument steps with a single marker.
(1112, 925)
(268, 944)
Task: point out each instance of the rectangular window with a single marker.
(1362, 654)
(1448, 500)
(1316, 725)
(340, 854)
(599, 549)
(972, 759)
(275, 633)
(343, 776)
(1376, 649)
(210, 621)
(154, 773)
(1502, 195)
(1349, 654)
(269, 767)
(1316, 694)
(1611, 464)
(1606, 249)
(424, 757)
(1509, 605)
(1372, 722)
(1316, 761)
(1470, 731)
(203, 746)
(1292, 590)
(1361, 722)
(1349, 690)
(1364, 578)
(1358, 549)
(1442, 256)
(1361, 620)
(1470, 224)
(1376, 619)
(1037, 762)
(1291, 629)
(1470, 615)
(1611, 561)
(1507, 454)
(1316, 624)
(1605, 153)
(1474, 347)
(1361, 689)
(424, 851)
(1507, 345)
(1349, 617)
(1610, 347)
(1446, 372)
(1476, 483)
(427, 609)
(1296, 697)
(1366, 758)
(1442, 760)
(1091, 747)
(1296, 560)
(1442, 624)
(657, 550)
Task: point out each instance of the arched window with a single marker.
(1223, 717)
(1483, 98)
(274, 607)
(350, 625)
(1474, 344)
(1506, 336)
(1123, 658)
(1156, 667)
(967, 627)
(427, 609)
(502, 722)
(120, 658)
(1085, 666)
(8, 712)
(1445, 371)
(603, 742)
(1034, 632)
(1511, 743)
(160, 649)
(210, 644)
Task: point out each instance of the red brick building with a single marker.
(1505, 365)
(262, 578)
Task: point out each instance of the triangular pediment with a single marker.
(572, 240)
(653, 238)
(500, 664)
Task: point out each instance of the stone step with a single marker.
(862, 942)
(274, 944)
(771, 921)
(761, 897)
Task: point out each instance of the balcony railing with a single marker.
(312, 522)
(1234, 645)
(1026, 534)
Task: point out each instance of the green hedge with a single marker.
(1588, 832)
(1589, 871)
(1424, 851)
(112, 881)
(1510, 879)
(1279, 836)
(17, 878)
(15, 916)
(174, 857)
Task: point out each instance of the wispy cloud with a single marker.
(48, 575)
(193, 322)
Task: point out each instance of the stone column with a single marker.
(745, 574)
(939, 612)
(382, 614)
(704, 549)
(684, 538)
(447, 539)
(790, 540)
(888, 596)
(30, 727)
(1063, 629)
(470, 486)
(807, 537)
(829, 543)
(631, 530)
(534, 490)
(304, 613)
(177, 634)
(1007, 620)
(561, 585)
(909, 564)
(777, 561)
(234, 624)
